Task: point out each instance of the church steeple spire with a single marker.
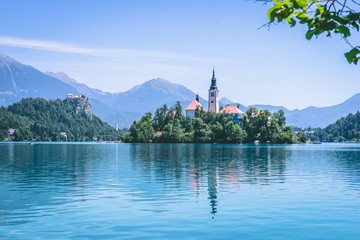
(213, 95)
(213, 80)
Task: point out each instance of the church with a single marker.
(213, 103)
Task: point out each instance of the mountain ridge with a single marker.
(21, 81)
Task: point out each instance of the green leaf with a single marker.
(329, 25)
(342, 21)
(302, 17)
(302, 3)
(310, 34)
(353, 16)
(344, 30)
(291, 21)
(299, 4)
(272, 13)
(321, 8)
(351, 56)
(355, 25)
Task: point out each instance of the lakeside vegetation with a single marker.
(346, 129)
(42, 120)
(169, 125)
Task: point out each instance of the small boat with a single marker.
(31, 143)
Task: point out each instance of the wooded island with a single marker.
(169, 125)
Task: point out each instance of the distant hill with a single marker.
(141, 98)
(21, 81)
(224, 101)
(91, 93)
(147, 97)
(128, 106)
(54, 120)
(314, 116)
(323, 116)
(346, 129)
(102, 102)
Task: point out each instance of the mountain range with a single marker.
(314, 116)
(21, 81)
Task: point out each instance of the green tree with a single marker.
(159, 120)
(301, 137)
(179, 112)
(280, 116)
(274, 129)
(209, 117)
(121, 138)
(199, 112)
(251, 111)
(145, 129)
(201, 131)
(210, 127)
(346, 129)
(217, 132)
(134, 133)
(233, 133)
(172, 133)
(286, 135)
(328, 17)
(43, 120)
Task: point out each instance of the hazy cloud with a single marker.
(125, 54)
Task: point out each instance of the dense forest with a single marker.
(54, 120)
(171, 126)
(346, 129)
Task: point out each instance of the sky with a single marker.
(114, 45)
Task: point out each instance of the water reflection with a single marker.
(33, 177)
(212, 164)
(347, 163)
(172, 181)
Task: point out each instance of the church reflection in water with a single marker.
(208, 167)
(155, 177)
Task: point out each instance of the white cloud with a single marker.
(43, 45)
(123, 54)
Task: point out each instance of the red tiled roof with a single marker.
(193, 105)
(232, 109)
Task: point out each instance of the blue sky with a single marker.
(114, 45)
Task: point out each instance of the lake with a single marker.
(179, 191)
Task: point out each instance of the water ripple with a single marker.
(177, 191)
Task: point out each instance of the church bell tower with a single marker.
(213, 95)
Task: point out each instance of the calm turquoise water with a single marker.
(179, 191)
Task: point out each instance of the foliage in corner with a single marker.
(321, 16)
